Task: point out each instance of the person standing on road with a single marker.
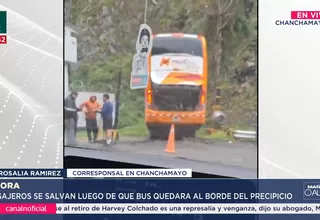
(71, 118)
(106, 114)
(92, 106)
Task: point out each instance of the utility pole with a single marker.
(68, 10)
(222, 8)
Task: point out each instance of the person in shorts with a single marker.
(91, 107)
(107, 120)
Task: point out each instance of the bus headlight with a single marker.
(219, 117)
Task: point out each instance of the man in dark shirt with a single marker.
(106, 114)
(71, 118)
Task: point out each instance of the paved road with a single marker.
(215, 157)
(31, 92)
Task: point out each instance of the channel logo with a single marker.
(301, 18)
(3, 27)
(311, 191)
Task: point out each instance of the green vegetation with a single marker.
(107, 43)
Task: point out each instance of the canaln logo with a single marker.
(311, 191)
(3, 22)
(301, 18)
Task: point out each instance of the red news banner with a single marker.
(303, 15)
(3, 39)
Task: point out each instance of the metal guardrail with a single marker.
(240, 134)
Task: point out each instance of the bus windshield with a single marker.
(177, 45)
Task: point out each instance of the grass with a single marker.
(140, 130)
(219, 135)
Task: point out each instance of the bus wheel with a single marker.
(193, 134)
(153, 136)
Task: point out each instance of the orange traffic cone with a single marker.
(171, 141)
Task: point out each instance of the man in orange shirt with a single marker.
(92, 106)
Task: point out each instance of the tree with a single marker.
(110, 27)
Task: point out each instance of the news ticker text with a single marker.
(83, 208)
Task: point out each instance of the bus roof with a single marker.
(177, 35)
